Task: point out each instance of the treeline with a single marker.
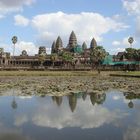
(132, 54)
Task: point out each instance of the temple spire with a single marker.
(53, 47)
(59, 44)
(84, 46)
(93, 43)
(72, 40)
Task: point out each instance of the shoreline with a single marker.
(64, 85)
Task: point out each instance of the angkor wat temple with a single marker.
(80, 53)
(80, 56)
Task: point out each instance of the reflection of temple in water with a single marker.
(72, 102)
(97, 98)
(57, 99)
(131, 96)
(84, 96)
(14, 104)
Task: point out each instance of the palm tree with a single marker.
(67, 58)
(42, 58)
(53, 58)
(14, 41)
(97, 55)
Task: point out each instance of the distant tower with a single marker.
(53, 47)
(72, 41)
(84, 46)
(24, 53)
(93, 43)
(59, 45)
(42, 50)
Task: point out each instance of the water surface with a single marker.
(108, 116)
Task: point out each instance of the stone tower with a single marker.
(42, 50)
(53, 49)
(93, 43)
(59, 45)
(72, 41)
(84, 46)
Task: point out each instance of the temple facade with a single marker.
(80, 54)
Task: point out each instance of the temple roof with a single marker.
(59, 43)
(53, 47)
(84, 46)
(93, 43)
(72, 40)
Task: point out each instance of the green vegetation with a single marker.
(132, 54)
(53, 58)
(67, 59)
(42, 58)
(97, 55)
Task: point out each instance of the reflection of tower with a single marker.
(97, 98)
(72, 102)
(92, 98)
(100, 98)
(84, 96)
(53, 98)
(59, 100)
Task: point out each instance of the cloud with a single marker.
(86, 26)
(20, 120)
(116, 43)
(7, 132)
(133, 131)
(138, 26)
(21, 20)
(63, 118)
(28, 46)
(123, 42)
(132, 7)
(13, 5)
(120, 45)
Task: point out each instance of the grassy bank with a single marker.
(48, 73)
(70, 73)
(127, 74)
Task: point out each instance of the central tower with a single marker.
(72, 41)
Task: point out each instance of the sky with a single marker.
(39, 22)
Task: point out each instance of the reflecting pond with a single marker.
(86, 116)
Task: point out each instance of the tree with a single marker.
(130, 53)
(42, 58)
(97, 55)
(53, 58)
(14, 41)
(137, 55)
(67, 58)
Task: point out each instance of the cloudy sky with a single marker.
(39, 22)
